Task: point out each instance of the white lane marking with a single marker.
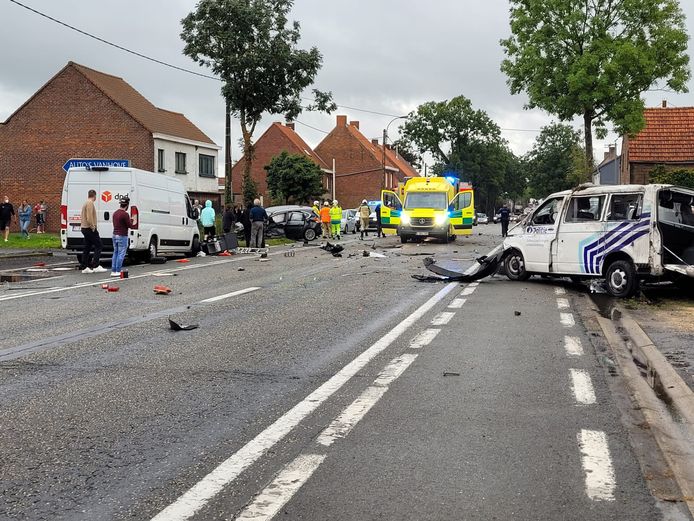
(573, 346)
(457, 303)
(597, 465)
(473, 284)
(341, 426)
(559, 291)
(563, 303)
(229, 295)
(270, 501)
(424, 338)
(582, 386)
(567, 319)
(209, 486)
(442, 318)
(468, 291)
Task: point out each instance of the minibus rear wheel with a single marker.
(514, 265)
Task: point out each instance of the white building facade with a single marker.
(195, 163)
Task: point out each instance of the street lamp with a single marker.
(385, 139)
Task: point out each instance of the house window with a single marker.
(160, 160)
(206, 166)
(180, 163)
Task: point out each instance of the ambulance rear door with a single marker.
(391, 209)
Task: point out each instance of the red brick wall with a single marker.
(350, 157)
(68, 118)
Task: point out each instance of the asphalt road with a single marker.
(314, 388)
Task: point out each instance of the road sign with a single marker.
(72, 163)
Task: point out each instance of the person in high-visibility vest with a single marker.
(316, 210)
(325, 220)
(336, 219)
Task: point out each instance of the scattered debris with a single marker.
(201, 254)
(39, 264)
(225, 253)
(159, 274)
(112, 289)
(183, 261)
(178, 327)
(598, 286)
(62, 269)
(335, 249)
(290, 253)
(162, 290)
(265, 259)
(252, 250)
(517, 313)
(160, 260)
(263, 255)
(241, 269)
(482, 267)
(377, 255)
(37, 270)
(450, 373)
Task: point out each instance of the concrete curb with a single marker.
(26, 255)
(662, 377)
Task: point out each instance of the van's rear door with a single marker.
(461, 212)
(79, 182)
(391, 208)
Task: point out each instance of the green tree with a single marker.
(253, 48)
(595, 58)
(408, 152)
(465, 141)
(249, 189)
(680, 177)
(552, 163)
(294, 177)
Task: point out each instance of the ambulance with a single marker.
(163, 216)
(439, 207)
(624, 234)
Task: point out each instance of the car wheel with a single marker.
(404, 238)
(514, 265)
(309, 234)
(152, 251)
(622, 281)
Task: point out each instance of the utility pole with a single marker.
(227, 155)
(334, 187)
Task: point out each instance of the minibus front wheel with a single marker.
(622, 281)
(514, 265)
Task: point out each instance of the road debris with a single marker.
(201, 254)
(162, 290)
(517, 313)
(241, 269)
(175, 326)
(450, 373)
(160, 260)
(482, 267)
(290, 253)
(160, 274)
(183, 261)
(335, 249)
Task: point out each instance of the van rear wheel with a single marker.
(153, 250)
(622, 281)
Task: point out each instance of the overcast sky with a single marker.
(379, 55)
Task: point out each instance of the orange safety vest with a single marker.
(325, 214)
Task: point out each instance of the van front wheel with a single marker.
(622, 281)
(514, 265)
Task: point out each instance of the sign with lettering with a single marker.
(88, 163)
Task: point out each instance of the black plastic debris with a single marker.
(175, 326)
(482, 267)
(450, 373)
(517, 313)
(335, 249)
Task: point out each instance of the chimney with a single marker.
(374, 141)
(290, 124)
(341, 121)
(664, 103)
(355, 124)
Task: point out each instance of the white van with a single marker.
(163, 217)
(621, 233)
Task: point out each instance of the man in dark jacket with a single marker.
(504, 217)
(246, 221)
(6, 216)
(228, 219)
(258, 217)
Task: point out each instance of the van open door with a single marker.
(461, 213)
(676, 225)
(391, 208)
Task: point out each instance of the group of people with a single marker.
(252, 218)
(330, 218)
(22, 216)
(91, 252)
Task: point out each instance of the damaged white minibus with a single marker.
(624, 234)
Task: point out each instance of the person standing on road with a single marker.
(207, 219)
(364, 213)
(24, 212)
(41, 217)
(379, 228)
(6, 215)
(228, 219)
(325, 220)
(121, 224)
(258, 217)
(336, 219)
(504, 217)
(91, 236)
(316, 210)
(246, 221)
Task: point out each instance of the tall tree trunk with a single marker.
(227, 156)
(588, 132)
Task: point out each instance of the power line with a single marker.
(309, 126)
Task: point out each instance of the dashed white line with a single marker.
(567, 319)
(229, 295)
(573, 346)
(457, 303)
(208, 487)
(424, 338)
(473, 284)
(270, 501)
(597, 465)
(467, 291)
(559, 291)
(563, 303)
(582, 387)
(442, 318)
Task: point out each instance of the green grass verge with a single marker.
(278, 242)
(43, 241)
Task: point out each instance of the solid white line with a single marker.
(468, 291)
(424, 338)
(270, 501)
(559, 291)
(582, 386)
(229, 295)
(563, 303)
(457, 303)
(573, 346)
(341, 426)
(567, 319)
(442, 318)
(597, 465)
(209, 486)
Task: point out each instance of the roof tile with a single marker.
(668, 137)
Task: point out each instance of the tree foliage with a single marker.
(678, 177)
(408, 152)
(468, 142)
(556, 161)
(595, 58)
(249, 189)
(295, 178)
(253, 48)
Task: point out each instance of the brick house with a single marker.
(83, 113)
(276, 139)
(359, 164)
(667, 140)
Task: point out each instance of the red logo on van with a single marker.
(106, 196)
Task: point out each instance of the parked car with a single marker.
(482, 218)
(497, 218)
(297, 225)
(349, 222)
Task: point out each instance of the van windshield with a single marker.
(435, 200)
